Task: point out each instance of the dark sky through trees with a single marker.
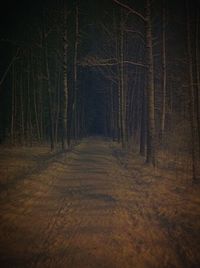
(100, 133)
(77, 68)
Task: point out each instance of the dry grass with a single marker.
(169, 205)
(16, 162)
(99, 207)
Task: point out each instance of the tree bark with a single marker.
(164, 82)
(191, 91)
(198, 78)
(150, 158)
(64, 111)
(75, 108)
(122, 88)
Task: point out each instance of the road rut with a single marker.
(84, 210)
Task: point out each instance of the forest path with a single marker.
(82, 211)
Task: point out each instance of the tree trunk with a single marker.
(163, 71)
(13, 105)
(198, 79)
(65, 84)
(191, 92)
(143, 125)
(150, 158)
(22, 106)
(52, 140)
(75, 108)
(122, 88)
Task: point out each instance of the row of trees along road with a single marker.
(152, 76)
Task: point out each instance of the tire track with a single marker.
(86, 210)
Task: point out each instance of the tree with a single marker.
(64, 110)
(191, 92)
(164, 74)
(150, 89)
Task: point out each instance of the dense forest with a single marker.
(76, 69)
(124, 71)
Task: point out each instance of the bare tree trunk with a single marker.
(22, 107)
(8, 68)
(143, 124)
(198, 79)
(52, 138)
(191, 91)
(150, 89)
(163, 70)
(41, 113)
(36, 107)
(58, 107)
(112, 115)
(40, 87)
(122, 88)
(13, 105)
(119, 112)
(65, 82)
(75, 108)
(29, 121)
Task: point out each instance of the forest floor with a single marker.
(95, 207)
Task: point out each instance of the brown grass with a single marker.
(99, 207)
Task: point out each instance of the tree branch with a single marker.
(107, 63)
(8, 68)
(130, 9)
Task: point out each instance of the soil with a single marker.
(93, 207)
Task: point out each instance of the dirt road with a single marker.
(86, 210)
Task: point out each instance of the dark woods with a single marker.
(127, 70)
